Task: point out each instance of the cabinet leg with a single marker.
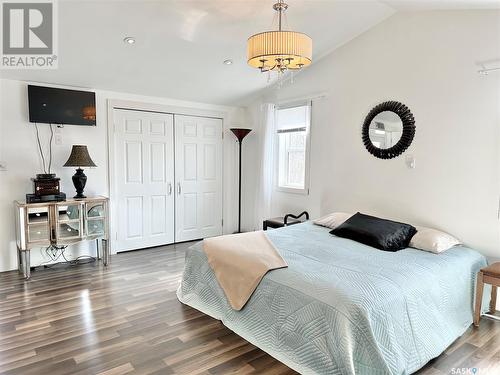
(26, 268)
(19, 261)
(97, 249)
(105, 252)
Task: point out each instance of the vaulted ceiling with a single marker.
(181, 45)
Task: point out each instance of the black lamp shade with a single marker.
(240, 133)
(79, 157)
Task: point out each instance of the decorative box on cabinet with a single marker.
(60, 224)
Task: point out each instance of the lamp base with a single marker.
(79, 181)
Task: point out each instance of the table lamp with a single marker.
(79, 158)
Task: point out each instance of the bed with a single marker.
(345, 308)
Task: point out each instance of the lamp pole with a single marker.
(240, 135)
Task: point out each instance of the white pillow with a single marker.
(433, 240)
(332, 220)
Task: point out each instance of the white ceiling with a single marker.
(181, 44)
(416, 5)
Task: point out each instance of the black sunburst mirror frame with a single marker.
(407, 135)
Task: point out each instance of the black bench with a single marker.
(289, 219)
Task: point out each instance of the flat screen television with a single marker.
(51, 105)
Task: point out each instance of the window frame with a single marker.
(287, 189)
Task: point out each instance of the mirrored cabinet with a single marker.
(60, 224)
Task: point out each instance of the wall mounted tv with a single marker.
(51, 105)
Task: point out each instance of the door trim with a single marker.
(113, 104)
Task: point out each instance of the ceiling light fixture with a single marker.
(129, 40)
(228, 62)
(279, 50)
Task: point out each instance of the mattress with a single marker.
(342, 307)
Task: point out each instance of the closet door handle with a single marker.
(169, 189)
(179, 188)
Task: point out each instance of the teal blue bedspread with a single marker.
(345, 308)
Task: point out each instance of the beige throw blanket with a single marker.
(240, 261)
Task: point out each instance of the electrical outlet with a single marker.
(410, 161)
(58, 139)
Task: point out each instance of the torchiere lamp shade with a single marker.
(240, 133)
(79, 158)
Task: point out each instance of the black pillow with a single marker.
(379, 233)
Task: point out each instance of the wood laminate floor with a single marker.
(125, 319)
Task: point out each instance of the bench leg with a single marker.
(493, 301)
(479, 298)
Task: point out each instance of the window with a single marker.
(292, 130)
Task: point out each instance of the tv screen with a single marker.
(60, 106)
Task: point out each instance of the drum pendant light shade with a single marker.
(279, 50)
(288, 46)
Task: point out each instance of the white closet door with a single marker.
(198, 176)
(144, 178)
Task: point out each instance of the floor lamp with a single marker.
(240, 134)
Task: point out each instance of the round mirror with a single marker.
(388, 130)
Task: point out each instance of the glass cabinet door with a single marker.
(96, 210)
(96, 213)
(68, 230)
(68, 212)
(95, 227)
(38, 215)
(69, 220)
(38, 224)
(38, 232)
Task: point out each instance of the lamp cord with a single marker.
(54, 253)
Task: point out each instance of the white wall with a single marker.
(19, 152)
(426, 60)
